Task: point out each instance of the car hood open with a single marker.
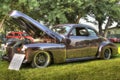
(31, 26)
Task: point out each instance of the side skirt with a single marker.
(80, 59)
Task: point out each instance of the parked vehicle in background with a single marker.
(114, 39)
(19, 35)
(64, 43)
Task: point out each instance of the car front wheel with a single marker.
(42, 59)
(107, 53)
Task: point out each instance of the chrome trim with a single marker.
(43, 46)
(24, 48)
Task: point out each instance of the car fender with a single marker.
(106, 44)
(57, 51)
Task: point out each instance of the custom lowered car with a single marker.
(60, 44)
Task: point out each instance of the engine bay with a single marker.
(44, 39)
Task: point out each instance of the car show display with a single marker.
(62, 43)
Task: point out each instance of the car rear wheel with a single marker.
(107, 53)
(42, 59)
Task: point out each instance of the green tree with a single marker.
(70, 11)
(104, 10)
(6, 6)
(60, 11)
(64, 11)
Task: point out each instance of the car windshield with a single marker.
(62, 29)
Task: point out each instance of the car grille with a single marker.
(9, 52)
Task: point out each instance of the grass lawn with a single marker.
(83, 70)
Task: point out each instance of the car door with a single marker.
(94, 41)
(79, 43)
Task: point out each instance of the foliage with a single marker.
(104, 10)
(8, 5)
(63, 11)
(51, 12)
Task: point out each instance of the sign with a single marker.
(16, 61)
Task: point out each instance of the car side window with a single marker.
(92, 32)
(73, 32)
(79, 31)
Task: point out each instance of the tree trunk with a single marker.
(100, 28)
(78, 18)
(1, 23)
(106, 27)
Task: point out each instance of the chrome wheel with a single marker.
(41, 59)
(107, 53)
